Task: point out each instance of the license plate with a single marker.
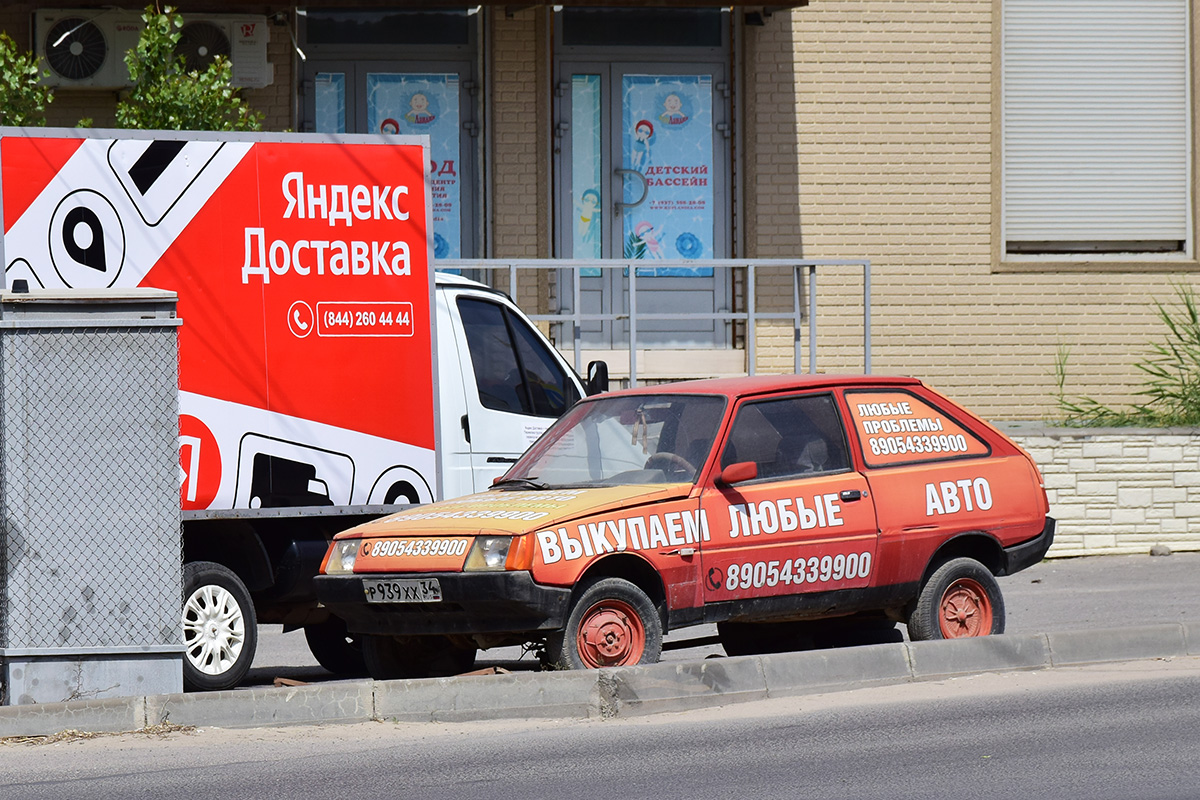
(403, 590)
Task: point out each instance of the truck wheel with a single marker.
(335, 649)
(220, 631)
(394, 657)
(611, 624)
(960, 599)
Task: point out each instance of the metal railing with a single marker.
(800, 314)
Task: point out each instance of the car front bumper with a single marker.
(479, 602)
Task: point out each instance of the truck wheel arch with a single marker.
(233, 544)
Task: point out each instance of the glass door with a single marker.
(643, 175)
(432, 98)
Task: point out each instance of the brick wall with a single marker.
(516, 162)
(1118, 490)
(275, 101)
(874, 133)
(520, 217)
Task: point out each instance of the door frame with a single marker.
(613, 285)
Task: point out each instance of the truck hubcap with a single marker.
(611, 635)
(214, 630)
(965, 610)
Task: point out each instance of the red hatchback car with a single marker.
(792, 511)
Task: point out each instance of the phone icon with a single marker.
(300, 319)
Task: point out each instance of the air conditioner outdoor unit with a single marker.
(85, 48)
(243, 38)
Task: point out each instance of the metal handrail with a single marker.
(750, 317)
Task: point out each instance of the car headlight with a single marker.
(488, 553)
(341, 558)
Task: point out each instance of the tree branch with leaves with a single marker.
(23, 98)
(167, 96)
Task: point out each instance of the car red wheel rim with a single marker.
(965, 610)
(611, 635)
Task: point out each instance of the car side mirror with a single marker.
(597, 377)
(736, 473)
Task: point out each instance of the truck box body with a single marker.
(325, 374)
(303, 274)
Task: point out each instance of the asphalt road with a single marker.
(1113, 731)
(1055, 595)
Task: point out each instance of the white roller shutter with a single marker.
(1096, 125)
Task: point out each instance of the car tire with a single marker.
(612, 623)
(960, 599)
(220, 630)
(396, 657)
(335, 649)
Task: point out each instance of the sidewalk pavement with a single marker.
(608, 693)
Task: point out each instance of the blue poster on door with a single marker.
(668, 141)
(425, 103)
(329, 89)
(587, 223)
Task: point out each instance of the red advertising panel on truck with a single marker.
(304, 276)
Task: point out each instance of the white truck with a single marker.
(326, 373)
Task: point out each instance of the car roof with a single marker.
(767, 384)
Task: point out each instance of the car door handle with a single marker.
(686, 552)
(502, 459)
(850, 495)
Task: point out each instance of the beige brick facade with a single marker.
(867, 129)
(875, 134)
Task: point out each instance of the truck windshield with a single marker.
(623, 440)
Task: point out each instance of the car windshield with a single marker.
(622, 440)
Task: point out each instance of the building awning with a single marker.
(512, 7)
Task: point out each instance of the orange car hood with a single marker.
(513, 512)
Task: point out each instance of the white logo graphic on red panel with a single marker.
(101, 223)
(87, 241)
(199, 463)
(300, 319)
(155, 173)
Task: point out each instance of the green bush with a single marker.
(166, 96)
(1172, 385)
(23, 100)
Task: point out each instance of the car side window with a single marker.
(513, 369)
(788, 437)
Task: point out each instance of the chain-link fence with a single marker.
(89, 479)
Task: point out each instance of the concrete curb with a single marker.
(608, 693)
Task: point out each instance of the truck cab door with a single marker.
(455, 451)
(515, 383)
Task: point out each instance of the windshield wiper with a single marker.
(520, 483)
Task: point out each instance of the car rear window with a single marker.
(897, 427)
